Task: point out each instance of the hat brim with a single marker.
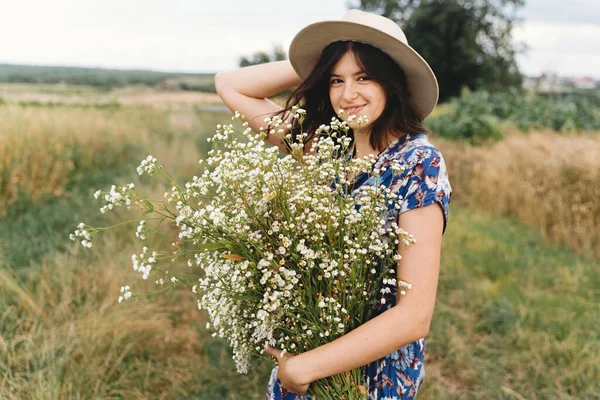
(307, 45)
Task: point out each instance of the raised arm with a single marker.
(247, 90)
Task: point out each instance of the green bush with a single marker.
(560, 112)
(476, 115)
(472, 119)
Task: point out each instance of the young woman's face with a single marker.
(353, 91)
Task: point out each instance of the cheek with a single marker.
(377, 102)
(332, 98)
(381, 101)
(334, 95)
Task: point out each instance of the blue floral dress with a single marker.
(398, 375)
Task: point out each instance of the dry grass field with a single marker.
(547, 180)
(84, 95)
(517, 306)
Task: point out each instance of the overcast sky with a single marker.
(563, 36)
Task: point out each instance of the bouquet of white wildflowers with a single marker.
(287, 254)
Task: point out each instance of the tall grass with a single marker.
(515, 318)
(515, 315)
(43, 149)
(52, 159)
(63, 335)
(549, 181)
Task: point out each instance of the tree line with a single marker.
(104, 78)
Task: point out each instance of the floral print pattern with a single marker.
(424, 181)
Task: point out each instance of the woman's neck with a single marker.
(362, 145)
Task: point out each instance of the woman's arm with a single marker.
(247, 90)
(408, 321)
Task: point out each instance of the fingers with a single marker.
(273, 352)
(270, 351)
(276, 353)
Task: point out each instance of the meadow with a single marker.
(517, 306)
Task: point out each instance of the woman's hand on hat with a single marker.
(288, 371)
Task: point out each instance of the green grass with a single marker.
(63, 335)
(515, 318)
(515, 315)
(34, 230)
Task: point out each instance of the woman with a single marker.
(363, 66)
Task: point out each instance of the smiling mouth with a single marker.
(353, 110)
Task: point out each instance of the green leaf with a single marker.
(212, 246)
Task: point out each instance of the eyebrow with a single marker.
(354, 74)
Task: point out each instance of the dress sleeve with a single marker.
(425, 181)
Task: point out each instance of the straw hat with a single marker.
(378, 31)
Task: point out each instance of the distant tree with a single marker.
(466, 42)
(261, 57)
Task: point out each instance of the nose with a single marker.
(350, 92)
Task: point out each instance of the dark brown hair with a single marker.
(398, 117)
